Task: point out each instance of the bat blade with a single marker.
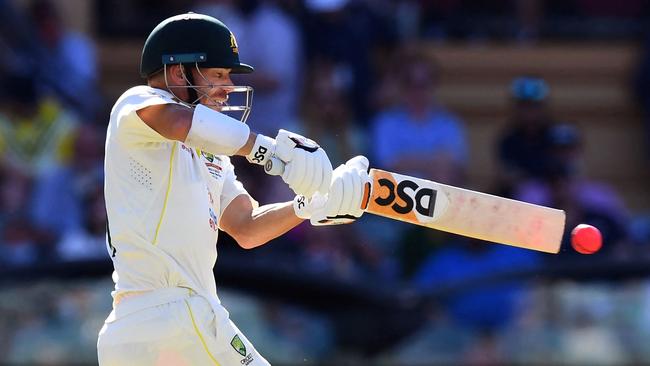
(465, 212)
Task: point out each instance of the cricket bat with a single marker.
(459, 211)
(465, 212)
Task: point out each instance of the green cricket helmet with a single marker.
(196, 41)
(191, 38)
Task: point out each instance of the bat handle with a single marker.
(274, 166)
(367, 191)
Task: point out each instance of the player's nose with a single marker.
(228, 86)
(228, 81)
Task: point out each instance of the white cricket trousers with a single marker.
(173, 326)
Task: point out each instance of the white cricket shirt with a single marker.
(164, 200)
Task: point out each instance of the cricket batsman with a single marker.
(170, 187)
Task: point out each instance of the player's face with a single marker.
(214, 83)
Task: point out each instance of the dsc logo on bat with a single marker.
(406, 202)
(406, 198)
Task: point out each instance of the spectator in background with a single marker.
(225, 10)
(328, 114)
(115, 19)
(35, 132)
(15, 40)
(64, 188)
(607, 9)
(472, 307)
(477, 20)
(417, 135)
(413, 134)
(523, 145)
(642, 89)
(89, 240)
(486, 307)
(19, 239)
(639, 228)
(564, 185)
(348, 34)
(71, 68)
(345, 253)
(530, 15)
(270, 39)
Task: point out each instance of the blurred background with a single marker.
(545, 101)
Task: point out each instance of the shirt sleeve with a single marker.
(231, 189)
(128, 125)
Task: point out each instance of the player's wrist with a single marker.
(263, 149)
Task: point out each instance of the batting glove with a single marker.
(349, 189)
(305, 207)
(308, 169)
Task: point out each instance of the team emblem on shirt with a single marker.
(238, 345)
(213, 164)
(209, 157)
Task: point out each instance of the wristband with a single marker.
(262, 150)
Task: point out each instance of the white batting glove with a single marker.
(350, 185)
(308, 169)
(305, 207)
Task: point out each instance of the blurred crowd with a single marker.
(55, 323)
(345, 73)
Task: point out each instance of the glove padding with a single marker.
(308, 169)
(350, 185)
(305, 207)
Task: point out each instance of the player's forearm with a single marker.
(267, 223)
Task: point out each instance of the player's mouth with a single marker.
(218, 100)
